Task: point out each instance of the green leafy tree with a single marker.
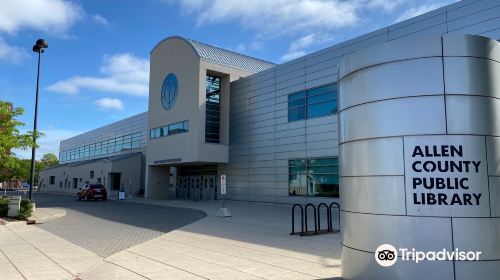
(48, 160)
(11, 138)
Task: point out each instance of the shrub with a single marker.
(26, 209)
(4, 207)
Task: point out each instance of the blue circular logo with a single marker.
(169, 91)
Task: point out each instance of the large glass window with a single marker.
(312, 103)
(212, 109)
(297, 177)
(105, 147)
(314, 177)
(171, 129)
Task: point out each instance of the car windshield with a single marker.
(96, 186)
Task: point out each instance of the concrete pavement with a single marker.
(253, 244)
(28, 252)
(107, 227)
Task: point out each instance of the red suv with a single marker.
(92, 191)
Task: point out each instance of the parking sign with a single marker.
(223, 184)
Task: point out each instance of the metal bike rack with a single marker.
(308, 205)
(330, 212)
(328, 218)
(301, 219)
(304, 230)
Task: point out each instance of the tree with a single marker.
(11, 138)
(48, 160)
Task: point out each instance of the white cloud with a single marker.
(256, 45)
(50, 16)
(303, 42)
(122, 73)
(240, 48)
(98, 19)
(298, 47)
(284, 16)
(11, 53)
(292, 55)
(387, 5)
(49, 143)
(416, 11)
(109, 103)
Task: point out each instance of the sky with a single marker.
(96, 68)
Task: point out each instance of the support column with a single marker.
(419, 130)
(157, 182)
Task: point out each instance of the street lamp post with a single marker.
(39, 47)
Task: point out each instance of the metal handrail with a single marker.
(301, 219)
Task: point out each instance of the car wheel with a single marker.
(78, 197)
(104, 198)
(88, 197)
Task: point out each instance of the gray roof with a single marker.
(226, 57)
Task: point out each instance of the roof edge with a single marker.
(180, 38)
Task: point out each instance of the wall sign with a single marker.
(14, 205)
(170, 160)
(446, 176)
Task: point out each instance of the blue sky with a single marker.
(96, 68)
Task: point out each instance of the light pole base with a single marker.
(223, 213)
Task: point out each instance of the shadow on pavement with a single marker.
(106, 227)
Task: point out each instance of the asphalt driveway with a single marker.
(107, 227)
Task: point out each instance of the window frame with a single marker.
(304, 168)
(305, 105)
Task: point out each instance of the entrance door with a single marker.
(205, 195)
(75, 183)
(195, 187)
(197, 182)
(183, 187)
(115, 181)
(178, 187)
(212, 187)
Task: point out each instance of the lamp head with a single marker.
(40, 45)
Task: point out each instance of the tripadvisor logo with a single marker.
(387, 255)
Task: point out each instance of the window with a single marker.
(175, 128)
(105, 147)
(314, 177)
(312, 103)
(296, 106)
(171, 129)
(212, 109)
(91, 174)
(297, 177)
(52, 180)
(169, 91)
(98, 180)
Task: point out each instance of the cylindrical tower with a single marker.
(420, 158)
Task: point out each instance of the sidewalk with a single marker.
(253, 244)
(42, 215)
(28, 252)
